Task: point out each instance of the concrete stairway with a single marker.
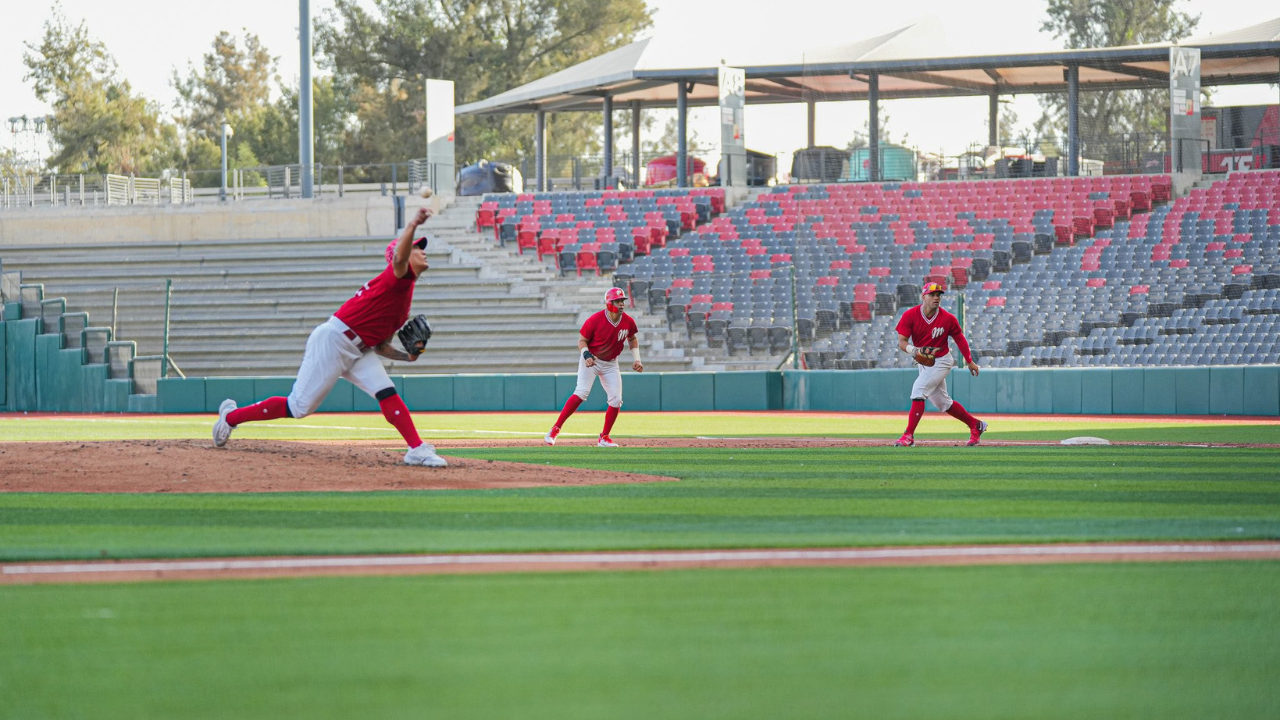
(247, 307)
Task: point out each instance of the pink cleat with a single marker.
(976, 433)
(905, 441)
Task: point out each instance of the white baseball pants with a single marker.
(330, 355)
(931, 383)
(610, 380)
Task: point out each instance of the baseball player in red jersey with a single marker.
(927, 326)
(600, 341)
(348, 344)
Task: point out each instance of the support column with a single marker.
(1073, 120)
(635, 144)
(873, 142)
(608, 140)
(813, 122)
(682, 141)
(993, 114)
(540, 151)
(306, 141)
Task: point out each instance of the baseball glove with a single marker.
(925, 355)
(415, 334)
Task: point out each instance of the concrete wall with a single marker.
(353, 215)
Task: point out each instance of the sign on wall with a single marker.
(440, 135)
(733, 143)
(1184, 109)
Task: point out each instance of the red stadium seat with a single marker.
(995, 302)
(1096, 282)
(1242, 270)
(587, 258)
(1140, 290)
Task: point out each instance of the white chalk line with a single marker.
(710, 557)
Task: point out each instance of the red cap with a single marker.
(391, 248)
(932, 287)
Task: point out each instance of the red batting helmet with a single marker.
(614, 294)
(391, 248)
(932, 287)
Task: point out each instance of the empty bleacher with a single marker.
(1054, 271)
(595, 231)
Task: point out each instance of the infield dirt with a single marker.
(195, 466)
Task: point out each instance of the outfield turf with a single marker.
(1194, 640)
(437, 426)
(726, 498)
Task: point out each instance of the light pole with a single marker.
(226, 133)
(306, 141)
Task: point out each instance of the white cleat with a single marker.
(550, 437)
(606, 442)
(221, 430)
(425, 455)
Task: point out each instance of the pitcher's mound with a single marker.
(264, 466)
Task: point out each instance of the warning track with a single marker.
(282, 567)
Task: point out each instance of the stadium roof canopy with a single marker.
(914, 61)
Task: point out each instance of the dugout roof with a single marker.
(914, 61)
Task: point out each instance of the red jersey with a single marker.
(933, 332)
(605, 339)
(379, 308)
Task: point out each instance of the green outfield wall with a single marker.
(38, 374)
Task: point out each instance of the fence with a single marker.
(54, 190)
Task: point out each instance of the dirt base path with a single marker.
(195, 466)
(281, 567)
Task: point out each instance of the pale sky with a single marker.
(151, 38)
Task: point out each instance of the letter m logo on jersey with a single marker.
(937, 332)
(622, 335)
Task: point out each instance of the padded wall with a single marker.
(40, 376)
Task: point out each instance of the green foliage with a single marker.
(1109, 23)
(381, 57)
(232, 84)
(99, 124)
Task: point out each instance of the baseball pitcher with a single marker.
(923, 332)
(348, 345)
(600, 342)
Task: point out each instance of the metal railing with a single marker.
(59, 190)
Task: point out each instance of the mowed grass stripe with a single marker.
(439, 426)
(1166, 641)
(759, 498)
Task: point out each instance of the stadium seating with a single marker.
(617, 224)
(1055, 271)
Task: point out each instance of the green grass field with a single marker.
(1179, 640)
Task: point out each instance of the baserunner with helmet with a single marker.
(600, 341)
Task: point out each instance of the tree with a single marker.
(233, 82)
(380, 59)
(99, 125)
(862, 138)
(1107, 23)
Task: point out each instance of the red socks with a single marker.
(913, 417)
(273, 408)
(569, 406)
(958, 412)
(610, 415)
(396, 413)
